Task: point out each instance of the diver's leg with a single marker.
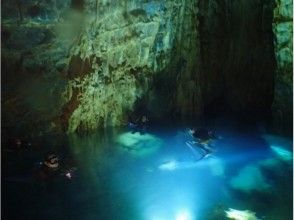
(192, 142)
(143, 129)
(207, 149)
(134, 129)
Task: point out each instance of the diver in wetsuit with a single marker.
(138, 124)
(132, 124)
(202, 137)
(49, 168)
(51, 174)
(143, 124)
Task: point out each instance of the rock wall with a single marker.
(249, 69)
(77, 65)
(283, 96)
(82, 64)
(237, 56)
(124, 48)
(34, 54)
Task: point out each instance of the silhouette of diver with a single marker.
(138, 124)
(201, 139)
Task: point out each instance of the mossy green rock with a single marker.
(124, 46)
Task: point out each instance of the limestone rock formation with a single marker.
(76, 65)
(283, 97)
(83, 64)
(33, 58)
(122, 50)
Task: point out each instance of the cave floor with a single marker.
(155, 175)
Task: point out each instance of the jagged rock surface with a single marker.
(283, 96)
(33, 58)
(124, 47)
(82, 64)
(92, 62)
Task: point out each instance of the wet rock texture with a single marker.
(123, 48)
(283, 97)
(89, 63)
(34, 54)
(82, 64)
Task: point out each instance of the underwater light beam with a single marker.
(183, 215)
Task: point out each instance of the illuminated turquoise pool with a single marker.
(155, 176)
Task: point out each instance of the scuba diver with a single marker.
(132, 123)
(202, 137)
(138, 124)
(49, 168)
(143, 124)
(46, 173)
(51, 162)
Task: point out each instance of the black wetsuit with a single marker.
(138, 125)
(203, 135)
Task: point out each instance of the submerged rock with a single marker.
(282, 147)
(241, 215)
(283, 154)
(139, 145)
(250, 178)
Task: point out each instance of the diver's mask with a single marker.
(52, 161)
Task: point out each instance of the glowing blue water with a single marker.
(156, 176)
